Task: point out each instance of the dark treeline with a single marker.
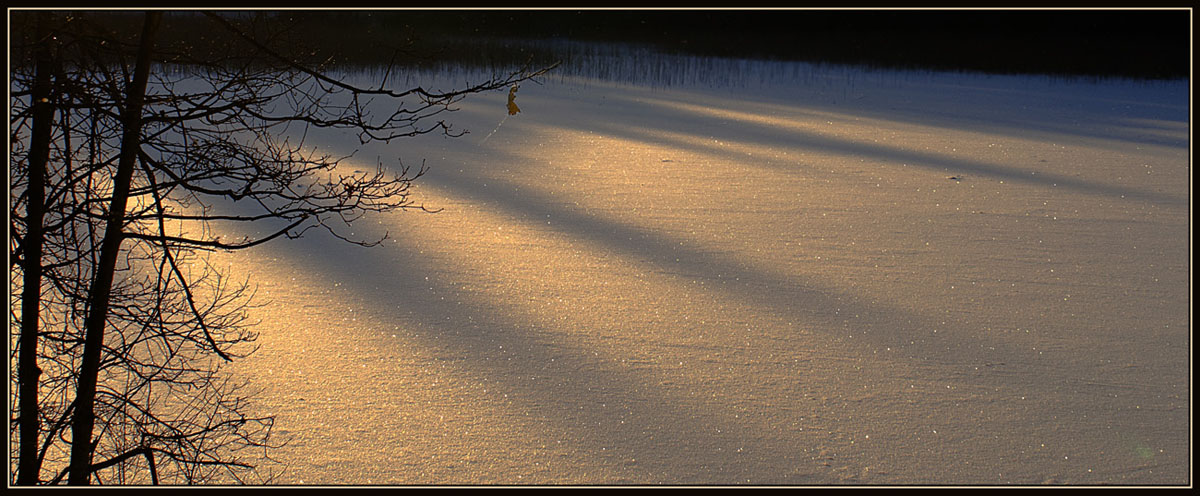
(1124, 43)
(1141, 44)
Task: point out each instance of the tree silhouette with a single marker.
(131, 159)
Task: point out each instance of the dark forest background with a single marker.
(1150, 44)
(1147, 44)
(1143, 44)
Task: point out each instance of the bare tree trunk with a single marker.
(31, 297)
(85, 414)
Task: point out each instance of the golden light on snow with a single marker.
(706, 287)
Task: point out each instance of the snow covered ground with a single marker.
(830, 276)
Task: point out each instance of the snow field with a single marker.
(920, 279)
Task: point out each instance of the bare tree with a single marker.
(130, 160)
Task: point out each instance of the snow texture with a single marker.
(849, 277)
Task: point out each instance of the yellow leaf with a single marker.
(512, 106)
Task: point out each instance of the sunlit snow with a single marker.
(849, 277)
